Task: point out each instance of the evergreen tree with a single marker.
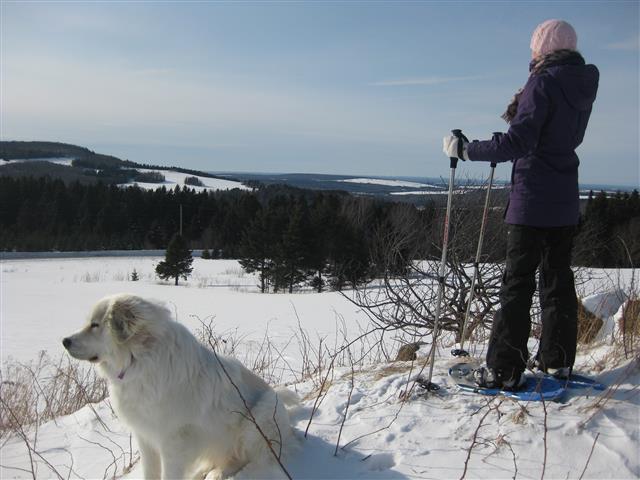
(350, 258)
(256, 249)
(324, 230)
(294, 248)
(596, 232)
(178, 260)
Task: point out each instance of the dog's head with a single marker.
(117, 323)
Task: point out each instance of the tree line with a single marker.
(288, 236)
(609, 233)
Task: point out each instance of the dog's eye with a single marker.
(95, 325)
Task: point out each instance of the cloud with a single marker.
(423, 81)
(631, 44)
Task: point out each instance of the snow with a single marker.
(173, 179)
(59, 161)
(457, 191)
(389, 182)
(428, 436)
(69, 287)
(607, 306)
(421, 192)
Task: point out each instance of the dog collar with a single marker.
(124, 370)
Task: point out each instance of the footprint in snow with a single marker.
(356, 397)
(408, 427)
(381, 461)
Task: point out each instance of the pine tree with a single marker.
(324, 226)
(599, 223)
(256, 249)
(349, 262)
(134, 276)
(178, 260)
(294, 248)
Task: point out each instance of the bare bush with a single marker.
(45, 389)
(317, 356)
(406, 254)
(35, 393)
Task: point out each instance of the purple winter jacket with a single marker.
(552, 116)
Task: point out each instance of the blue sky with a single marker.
(365, 88)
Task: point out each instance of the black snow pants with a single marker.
(527, 249)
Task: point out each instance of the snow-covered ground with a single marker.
(173, 179)
(389, 182)
(428, 436)
(58, 294)
(59, 161)
(444, 191)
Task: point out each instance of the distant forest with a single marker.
(290, 235)
(86, 167)
(296, 234)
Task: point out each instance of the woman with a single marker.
(548, 118)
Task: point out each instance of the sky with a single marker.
(362, 88)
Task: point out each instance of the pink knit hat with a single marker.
(553, 35)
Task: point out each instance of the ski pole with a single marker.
(429, 385)
(461, 352)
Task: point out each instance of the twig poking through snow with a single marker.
(346, 408)
(589, 458)
(475, 434)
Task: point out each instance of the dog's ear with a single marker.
(122, 320)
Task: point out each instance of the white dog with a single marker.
(191, 411)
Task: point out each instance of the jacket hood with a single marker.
(579, 84)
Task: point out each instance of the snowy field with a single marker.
(173, 179)
(58, 161)
(450, 434)
(389, 182)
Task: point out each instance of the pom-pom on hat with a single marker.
(553, 35)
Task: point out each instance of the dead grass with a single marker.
(44, 390)
(630, 325)
(391, 369)
(588, 325)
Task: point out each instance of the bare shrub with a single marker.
(268, 360)
(44, 390)
(406, 253)
(90, 277)
(120, 277)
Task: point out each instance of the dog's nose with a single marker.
(66, 343)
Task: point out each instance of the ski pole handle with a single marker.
(453, 161)
(495, 136)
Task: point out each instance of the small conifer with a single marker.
(178, 260)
